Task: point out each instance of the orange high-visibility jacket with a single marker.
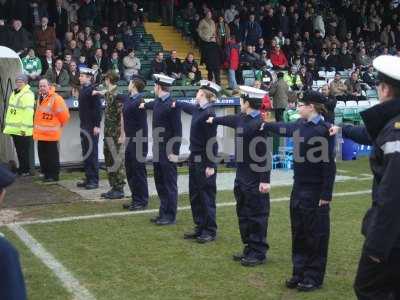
(50, 117)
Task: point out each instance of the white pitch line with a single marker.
(151, 211)
(68, 280)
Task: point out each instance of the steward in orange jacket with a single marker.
(50, 117)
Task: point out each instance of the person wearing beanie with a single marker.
(314, 177)
(252, 182)
(19, 121)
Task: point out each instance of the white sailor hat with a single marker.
(211, 86)
(388, 68)
(251, 93)
(163, 79)
(87, 71)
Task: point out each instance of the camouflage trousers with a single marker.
(114, 162)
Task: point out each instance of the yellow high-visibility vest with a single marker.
(20, 110)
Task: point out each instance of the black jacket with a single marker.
(381, 224)
(90, 110)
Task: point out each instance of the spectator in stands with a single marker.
(249, 59)
(174, 66)
(266, 61)
(45, 37)
(116, 64)
(231, 13)
(20, 38)
(4, 33)
(73, 73)
(87, 13)
(167, 12)
(131, 65)
(280, 38)
(207, 32)
(363, 59)
(330, 104)
(337, 88)
(223, 32)
(268, 24)
(97, 40)
(75, 51)
(130, 39)
(99, 60)
(190, 69)
(233, 58)
(189, 12)
(282, 21)
(67, 59)
(306, 78)
(260, 47)
(82, 62)
(346, 60)
(278, 59)
(32, 65)
(280, 95)
(333, 60)
(253, 31)
(58, 75)
(59, 19)
(319, 24)
(213, 60)
(88, 49)
(158, 65)
(47, 61)
(116, 13)
(120, 48)
(237, 29)
(369, 77)
(353, 86)
(135, 15)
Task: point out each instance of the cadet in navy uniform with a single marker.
(90, 112)
(12, 285)
(202, 166)
(135, 130)
(314, 177)
(167, 135)
(378, 274)
(252, 182)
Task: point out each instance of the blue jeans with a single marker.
(232, 79)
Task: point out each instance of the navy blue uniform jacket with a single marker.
(90, 109)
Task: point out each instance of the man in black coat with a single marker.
(20, 39)
(4, 34)
(59, 17)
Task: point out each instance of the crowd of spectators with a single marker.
(55, 38)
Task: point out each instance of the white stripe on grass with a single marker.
(67, 279)
(152, 211)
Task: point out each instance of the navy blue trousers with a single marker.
(252, 208)
(90, 153)
(12, 285)
(310, 233)
(202, 191)
(165, 178)
(136, 174)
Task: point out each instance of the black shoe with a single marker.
(50, 180)
(307, 286)
(135, 207)
(155, 219)
(164, 222)
(114, 194)
(205, 238)
(105, 195)
(251, 261)
(293, 282)
(81, 184)
(92, 186)
(191, 235)
(238, 256)
(126, 205)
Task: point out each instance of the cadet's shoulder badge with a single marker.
(397, 125)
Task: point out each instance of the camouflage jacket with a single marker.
(112, 116)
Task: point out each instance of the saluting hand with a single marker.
(141, 105)
(210, 172)
(323, 202)
(173, 104)
(334, 130)
(210, 120)
(173, 158)
(375, 259)
(264, 187)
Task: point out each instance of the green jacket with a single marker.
(32, 66)
(20, 110)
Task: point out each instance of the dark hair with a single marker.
(253, 103)
(280, 75)
(139, 84)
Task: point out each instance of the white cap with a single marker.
(388, 65)
(251, 92)
(211, 86)
(87, 71)
(163, 79)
